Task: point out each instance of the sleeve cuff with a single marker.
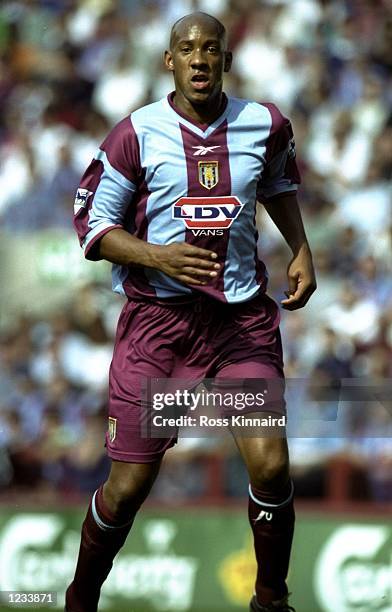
(91, 241)
(274, 192)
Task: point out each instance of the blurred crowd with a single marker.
(70, 69)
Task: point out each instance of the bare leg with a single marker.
(106, 526)
(270, 510)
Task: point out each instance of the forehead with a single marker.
(192, 29)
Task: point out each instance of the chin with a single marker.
(200, 97)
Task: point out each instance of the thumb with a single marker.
(293, 283)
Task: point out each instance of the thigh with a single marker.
(146, 340)
(251, 333)
(251, 358)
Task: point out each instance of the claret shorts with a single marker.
(190, 340)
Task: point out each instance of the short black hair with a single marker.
(221, 30)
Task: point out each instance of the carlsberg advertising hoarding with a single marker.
(202, 561)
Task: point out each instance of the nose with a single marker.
(197, 58)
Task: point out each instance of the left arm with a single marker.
(286, 215)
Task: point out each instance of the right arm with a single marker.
(183, 262)
(105, 193)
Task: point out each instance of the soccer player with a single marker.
(170, 200)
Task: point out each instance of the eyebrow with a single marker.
(191, 41)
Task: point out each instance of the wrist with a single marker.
(151, 257)
(301, 247)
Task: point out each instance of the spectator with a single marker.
(70, 70)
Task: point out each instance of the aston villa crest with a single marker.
(208, 173)
(112, 428)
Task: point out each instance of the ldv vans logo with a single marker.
(207, 216)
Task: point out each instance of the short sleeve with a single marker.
(107, 187)
(280, 174)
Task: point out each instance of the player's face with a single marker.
(198, 59)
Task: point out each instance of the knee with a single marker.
(272, 472)
(124, 493)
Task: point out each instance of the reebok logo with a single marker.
(263, 514)
(200, 150)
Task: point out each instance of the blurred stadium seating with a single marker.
(69, 70)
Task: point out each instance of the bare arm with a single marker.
(286, 215)
(184, 262)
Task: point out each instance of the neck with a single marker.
(203, 113)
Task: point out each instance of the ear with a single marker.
(228, 61)
(169, 61)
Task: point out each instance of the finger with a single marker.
(294, 298)
(292, 305)
(291, 297)
(198, 272)
(200, 263)
(293, 284)
(300, 290)
(194, 251)
(189, 280)
(298, 299)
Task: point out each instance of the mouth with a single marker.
(200, 81)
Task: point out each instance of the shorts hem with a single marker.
(133, 457)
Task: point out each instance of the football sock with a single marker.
(271, 516)
(101, 539)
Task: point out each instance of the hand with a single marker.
(184, 262)
(301, 278)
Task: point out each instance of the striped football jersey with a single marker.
(165, 178)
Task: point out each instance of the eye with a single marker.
(213, 49)
(186, 49)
